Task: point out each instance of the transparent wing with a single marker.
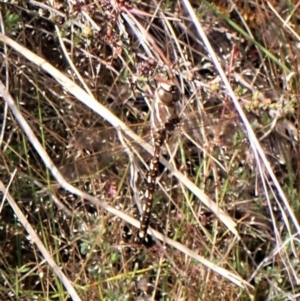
(92, 150)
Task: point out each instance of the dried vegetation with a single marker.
(117, 51)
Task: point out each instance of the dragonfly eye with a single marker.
(168, 94)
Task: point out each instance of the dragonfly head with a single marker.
(168, 94)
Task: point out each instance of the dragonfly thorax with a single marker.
(164, 105)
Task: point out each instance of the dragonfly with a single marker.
(165, 117)
(165, 120)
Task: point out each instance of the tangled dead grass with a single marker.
(76, 86)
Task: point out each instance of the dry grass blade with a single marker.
(253, 140)
(94, 105)
(34, 237)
